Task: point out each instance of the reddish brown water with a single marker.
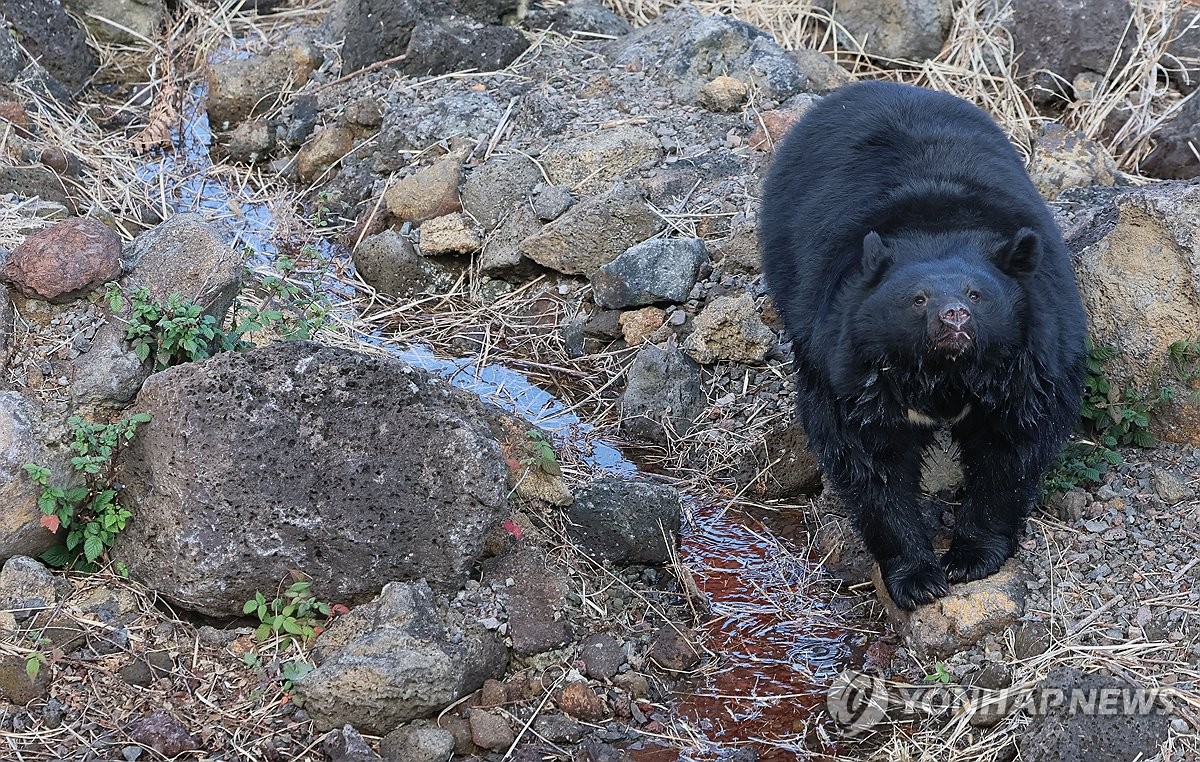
(775, 640)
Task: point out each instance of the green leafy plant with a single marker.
(939, 675)
(34, 663)
(1109, 418)
(91, 514)
(540, 454)
(171, 332)
(296, 614)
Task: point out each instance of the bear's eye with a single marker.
(974, 295)
(919, 300)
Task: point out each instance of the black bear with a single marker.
(924, 283)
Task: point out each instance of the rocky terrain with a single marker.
(395, 380)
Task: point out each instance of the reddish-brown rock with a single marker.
(581, 702)
(65, 261)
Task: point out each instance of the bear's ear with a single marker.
(1022, 255)
(875, 255)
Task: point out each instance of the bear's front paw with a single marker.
(969, 560)
(915, 584)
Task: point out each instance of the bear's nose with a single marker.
(956, 315)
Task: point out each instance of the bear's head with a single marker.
(942, 299)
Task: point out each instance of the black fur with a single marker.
(917, 269)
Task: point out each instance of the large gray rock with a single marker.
(595, 160)
(409, 126)
(389, 263)
(452, 43)
(380, 29)
(495, 188)
(1176, 142)
(684, 50)
(626, 521)
(124, 22)
(243, 87)
(1069, 37)
(352, 468)
(594, 232)
(1139, 275)
(398, 658)
(22, 433)
(912, 29)
(52, 38)
(662, 393)
(189, 256)
(659, 270)
(1061, 733)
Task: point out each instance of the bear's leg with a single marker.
(879, 482)
(1001, 480)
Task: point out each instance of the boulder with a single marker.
(351, 468)
(1139, 274)
(662, 393)
(65, 261)
(897, 29)
(659, 270)
(780, 465)
(956, 622)
(417, 742)
(537, 599)
(415, 126)
(399, 658)
(1069, 37)
(319, 156)
(594, 232)
(683, 49)
(626, 521)
(729, 328)
(243, 87)
(53, 39)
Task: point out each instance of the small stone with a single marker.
(729, 328)
(251, 141)
(559, 728)
(1169, 488)
(163, 733)
(593, 161)
(1064, 158)
(492, 693)
(723, 94)
(322, 152)
(581, 702)
(347, 745)
(637, 326)
(674, 649)
(430, 192)
(417, 743)
(390, 264)
(450, 234)
(602, 656)
(490, 731)
(551, 201)
(131, 753)
(633, 683)
(15, 685)
(626, 521)
(662, 393)
(64, 261)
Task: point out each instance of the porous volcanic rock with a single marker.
(351, 468)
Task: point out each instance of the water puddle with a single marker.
(775, 639)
